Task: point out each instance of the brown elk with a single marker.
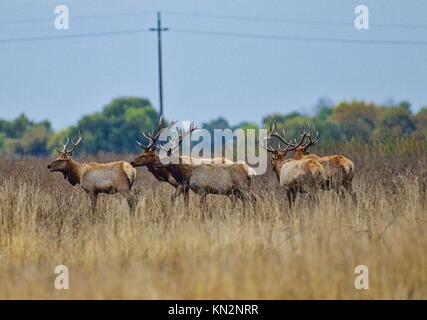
(295, 176)
(210, 176)
(339, 170)
(150, 156)
(95, 178)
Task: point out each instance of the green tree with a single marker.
(279, 118)
(117, 127)
(218, 123)
(421, 123)
(34, 141)
(397, 122)
(357, 119)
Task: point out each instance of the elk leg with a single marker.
(294, 196)
(93, 199)
(186, 196)
(349, 188)
(177, 193)
(290, 196)
(131, 201)
(245, 197)
(314, 198)
(233, 199)
(240, 195)
(203, 206)
(203, 201)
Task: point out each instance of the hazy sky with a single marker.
(206, 76)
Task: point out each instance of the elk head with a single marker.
(61, 164)
(279, 153)
(148, 155)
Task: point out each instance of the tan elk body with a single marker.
(95, 178)
(339, 170)
(210, 176)
(295, 176)
(231, 179)
(150, 156)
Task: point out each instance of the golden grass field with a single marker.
(165, 252)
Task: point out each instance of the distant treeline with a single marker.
(116, 127)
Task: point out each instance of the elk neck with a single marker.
(277, 167)
(298, 155)
(73, 173)
(160, 173)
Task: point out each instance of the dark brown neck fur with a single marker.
(73, 172)
(277, 167)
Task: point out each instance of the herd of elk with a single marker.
(95, 178)
(209, 176)
(304, 173)
(295, 176)
(149, 157)
(339, 170)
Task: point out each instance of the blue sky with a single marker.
(207, 76)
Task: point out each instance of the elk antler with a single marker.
(64, 146)
(308, 133)
(75, 144)
(190, 130)
(154, 136)
(273, 133)
(175, 143)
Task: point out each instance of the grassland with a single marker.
(166, 252)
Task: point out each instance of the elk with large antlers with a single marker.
(295, 176)
(339, 170)
(209, 176)
(95, 178)
(150, 156)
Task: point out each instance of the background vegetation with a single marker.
(121, 122)
(167, 252)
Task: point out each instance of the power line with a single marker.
(298, 38)
(81, 17)
(223, 34)
(256, 19)
(291, 21)
(73, 36)
(222, 17)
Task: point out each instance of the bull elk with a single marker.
(95, 178)
(295, 175)
(150, 156)
(339, 170)
(210, 176)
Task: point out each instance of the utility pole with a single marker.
(159, 30)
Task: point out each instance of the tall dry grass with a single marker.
(166, 252)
